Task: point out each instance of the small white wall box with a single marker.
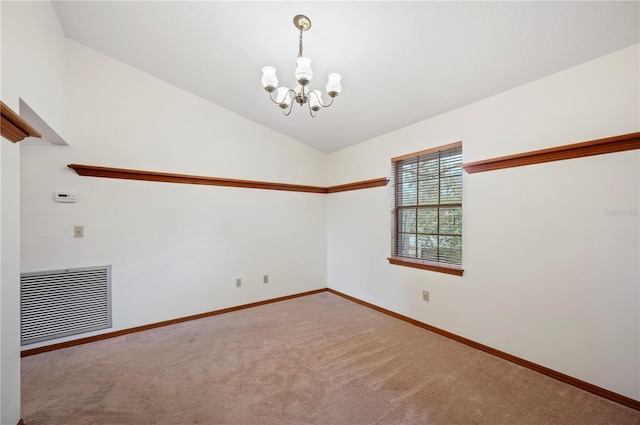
(65, 197)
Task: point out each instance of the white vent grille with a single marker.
(59, 303)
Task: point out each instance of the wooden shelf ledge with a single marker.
(13, 127)
(621, 143)
(128, 174)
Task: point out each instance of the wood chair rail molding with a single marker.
(364, 184)
(13, 127)
(620, 143)
(123, 173)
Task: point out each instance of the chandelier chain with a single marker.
(300, 45)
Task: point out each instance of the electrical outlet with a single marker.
(238, 282)
(78, 231)
(265, 278)
(425, 296)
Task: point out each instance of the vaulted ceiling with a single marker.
(401, 61)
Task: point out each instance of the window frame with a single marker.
(395, 259)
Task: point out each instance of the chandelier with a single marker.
(284, 96)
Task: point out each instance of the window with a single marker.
(427, 209)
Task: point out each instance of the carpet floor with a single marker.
(318, 359)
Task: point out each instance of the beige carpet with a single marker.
(318, 359)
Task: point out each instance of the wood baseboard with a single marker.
(87, 340)
(594, 389)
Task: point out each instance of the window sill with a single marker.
(426, 265)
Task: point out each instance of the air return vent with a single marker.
(59, 303)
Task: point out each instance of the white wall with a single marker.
(175, 249)
(34, 69)
(9, 282)
(549, 275)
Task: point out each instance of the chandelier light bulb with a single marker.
(269, 79)
(283, 98)
(315, 100)
(333, 86)
(303, 70)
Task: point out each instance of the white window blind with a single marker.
(427, 205)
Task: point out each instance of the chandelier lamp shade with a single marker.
(302, 94)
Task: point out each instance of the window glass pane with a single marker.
(451, 249)
(407, 184)
(408, 195)
(428, 220)
(428, 191)
(406, 245)
(450, 191)
(450, 169)
(428, 247)
(429, 167)
(451, 221)
(407, 220)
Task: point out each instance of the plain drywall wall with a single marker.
(9, 280)
(34, 68)
(175, 249)
(550, 251)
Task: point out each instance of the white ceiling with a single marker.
(401, 61)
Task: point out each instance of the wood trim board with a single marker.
(613, 144)
(13, 127)
(129, 174)
(365, 184)
(426, 265)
